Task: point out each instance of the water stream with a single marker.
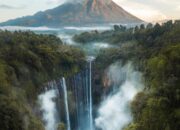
(66, 103)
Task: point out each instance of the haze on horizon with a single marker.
(149, 10)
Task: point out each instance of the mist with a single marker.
(48, 107)
(81, 1)
(114, 112)
(74, 1)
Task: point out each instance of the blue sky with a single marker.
(148, 10)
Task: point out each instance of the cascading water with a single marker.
(80, 87)
(114, 112)
(90, 93)
(66, 103)
(48, 106)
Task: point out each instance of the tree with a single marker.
(142, 26)
(149, 26)
(136, 28)
(61, 126)
(10, 117)
(116, 28)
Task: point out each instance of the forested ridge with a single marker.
(155, 51)
(27, 62)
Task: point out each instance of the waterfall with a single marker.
(66, 103)
(114, 112)
(80, 87)
(90, 95)
(83, 93)
(48, 107)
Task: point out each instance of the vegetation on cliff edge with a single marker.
(155, 51)
(27, 62)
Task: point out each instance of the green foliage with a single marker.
(27, 61)
(61, 126)
(10, 116)
(35, 124)
(119, 28)
(131, 127)
(86, 37)
(138, 104)
(4, 85)
(25, 56)
(155, 50)
(148, 36)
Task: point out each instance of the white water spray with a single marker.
(48, 107)
(114, 113)
(66, 103)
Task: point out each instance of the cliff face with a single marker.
(87, 12)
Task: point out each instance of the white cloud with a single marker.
(141, 10)
(168, 2)
(178, 8)
(148, 14)
(55, 1)
(62, 1)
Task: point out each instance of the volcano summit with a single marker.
(86, 12)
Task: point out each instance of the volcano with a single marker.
(87, 12)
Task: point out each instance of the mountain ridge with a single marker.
(86, 13)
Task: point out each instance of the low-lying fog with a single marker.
(66, 34)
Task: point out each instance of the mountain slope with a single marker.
(88, 12)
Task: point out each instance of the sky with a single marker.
(147, 10)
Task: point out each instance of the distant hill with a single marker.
(85, 13)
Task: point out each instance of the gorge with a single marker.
(122, 82)
(113, 109)
(89, 65)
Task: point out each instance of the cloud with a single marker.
(178, 8)
(172, 2)
(143, 9)
(55, 1)
(62, 1)
(147, 14)
(4, 6)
